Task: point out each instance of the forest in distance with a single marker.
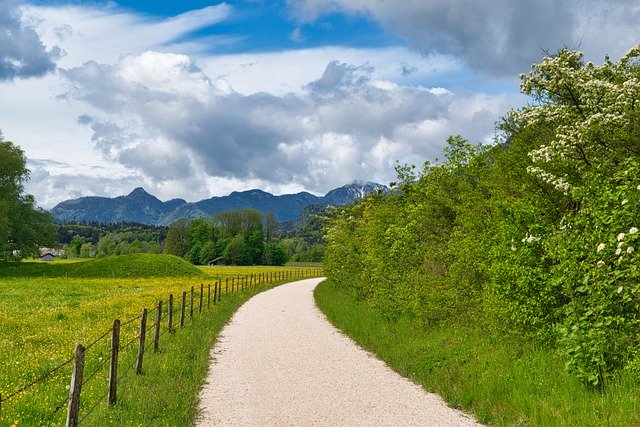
(242, 237)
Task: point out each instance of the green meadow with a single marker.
(47, 308)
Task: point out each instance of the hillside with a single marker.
(114, 267)
(142, 207)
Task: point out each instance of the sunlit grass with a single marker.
(42, 319)
(500, 380)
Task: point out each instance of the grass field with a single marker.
(47, 308)
(502, 382)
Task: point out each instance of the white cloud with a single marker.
(288, 71)
(139, 104)
(103, 35)
(161, 115)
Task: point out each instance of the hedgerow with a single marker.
(534, 235)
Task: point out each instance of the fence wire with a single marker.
(38, 380)
(237, 283)
(95, 405)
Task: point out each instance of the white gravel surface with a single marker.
(280, 362)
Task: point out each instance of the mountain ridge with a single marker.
(143, 207)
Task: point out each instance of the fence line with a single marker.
(78, 379)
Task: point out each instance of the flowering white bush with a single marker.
(588, 106)
(585, 123)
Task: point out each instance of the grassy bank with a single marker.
(501, 382)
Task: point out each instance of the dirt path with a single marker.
(280, 362)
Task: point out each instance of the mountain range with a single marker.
(142, 207)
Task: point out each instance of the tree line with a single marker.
(535, 236)
(241, 237)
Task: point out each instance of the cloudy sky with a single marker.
(195, 98)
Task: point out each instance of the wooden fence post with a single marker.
(142, 336)
(215, 292)
(182, 309)
(220, 291)
(156, 332)
(113, 368)
(201, 292)
(75, 387)
(208, 294)
(191, 304)
(170, 312)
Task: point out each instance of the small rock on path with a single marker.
(280, 362)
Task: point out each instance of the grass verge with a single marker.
(166, 394)
(500, 381)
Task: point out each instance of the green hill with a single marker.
(116, 267)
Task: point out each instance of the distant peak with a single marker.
(138, 191)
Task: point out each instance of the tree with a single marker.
(177, 238)
(237, 251)
(272, 228)
(23, 226)
(275, 254)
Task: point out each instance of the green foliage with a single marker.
(23, 226)
(534, 236)
(275, 254)
(177, 238)
(239, 236)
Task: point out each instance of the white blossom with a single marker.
(600, 247)
(624, 202)
(630, 250)
(620, 289)
(530, 238)
(633, 230)
(600, 263)
(618, 251)
(620, 237)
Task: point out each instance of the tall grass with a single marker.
(496, 378)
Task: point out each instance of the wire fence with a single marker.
(117, 353)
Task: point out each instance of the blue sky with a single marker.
(194, 99)
(269, 25)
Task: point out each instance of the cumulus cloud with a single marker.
(501, 37)
(53, 181)
(161, 115)
(22, 53)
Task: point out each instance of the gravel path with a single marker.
(280, 362)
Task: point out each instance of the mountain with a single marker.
(140, 206)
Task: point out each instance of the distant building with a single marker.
(53, 251)
(217, 261)
(47, 257)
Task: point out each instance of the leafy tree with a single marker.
(275, 254)
(272, 228)
(23, 226)
(177, 238)
(237, 251)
